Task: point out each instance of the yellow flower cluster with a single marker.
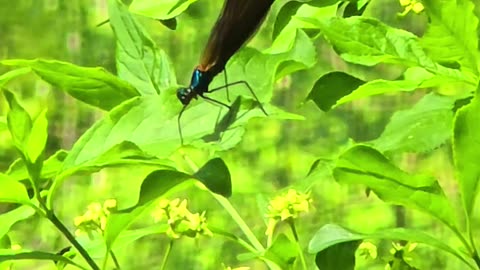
(95, 218)
(413, 5)
(285, 207)
(180, 220)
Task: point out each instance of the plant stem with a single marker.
(115, 261)
(295, 235)
(53, 218)
(165, 256)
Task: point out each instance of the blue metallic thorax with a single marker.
(200, 81)
(198, 86)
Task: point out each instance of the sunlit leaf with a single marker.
(8, 219)
(162, 10)
(18, 120)
(37, 138)
(452, 35)
(12, 191)
(122, 154)
(139, 61)
(366, 166)
(420, 129)
(466, 155)
(8, 76)
(331, 234)
(368, 41)
(51, 166)
(94, 86)
(282, 251)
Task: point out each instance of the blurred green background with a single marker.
(272, 156)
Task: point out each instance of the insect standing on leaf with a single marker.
(238, 21)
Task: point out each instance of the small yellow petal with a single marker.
(418, 7)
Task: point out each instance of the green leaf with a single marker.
(8, 219)
(163, 10)
(94, 86)
(12, 191)
(124, 153)
(331, 87)
(452, 35)
(368, 41)
(37, 138)
(8, 76)
(286, 13)
(420, 129)
(19, 121)
(50, 168)
(465, 152)
(339, 256)
(331, 234)
(283, 252)
(366, 166)
(139, 61)
(10, 255)
(216, 176)
(158, 184)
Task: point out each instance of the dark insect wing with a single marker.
(238, 21)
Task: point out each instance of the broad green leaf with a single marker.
(94, 86)
(158, 184)
(50, 168)
(12, 191)
(37, 138)
(452, 35)
(18, 120)
(122, 154)
(8, 76)
(339, 256)
(285, 17)
(331, 87)
(152, 124)
(11, 255)
(139, 61)
(291, 51)
(420, 129)
(368, 41)
(163, 10)
(465, 152)
(282, 251)
(366, 166)
(331, 234)
(215, 175)
(8, 219)
(415, 78)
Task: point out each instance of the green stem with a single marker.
(240, 222)
(291, 222)
(53, 218)
(165, 256)
(115, 261)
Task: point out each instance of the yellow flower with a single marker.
(418, 7)
(367, 250)
(414, 5)
(282, 208)
(180, 220)
(95, 218)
